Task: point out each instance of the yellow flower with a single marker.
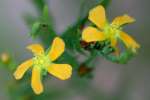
(4, 57)
(110, 31)
(44, 61)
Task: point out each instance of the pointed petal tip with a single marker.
(38, 92)
(123, 20)
(129, 17)
(29, 47)
(36, 48)
(16, 76)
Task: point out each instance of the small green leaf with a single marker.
(35, 29)
(126, 56)
(45, 13)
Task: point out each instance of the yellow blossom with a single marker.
(108, 31)
(4, 57)
(43, 61)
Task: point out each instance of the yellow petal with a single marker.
(91, 34)
(61, 71)
(113, 42)
(20, 71)
(37, 49)
(57, 48)
(97, 16)
(36, 80)
(121, 20)
(129, 41)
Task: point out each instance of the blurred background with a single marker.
(111, 81)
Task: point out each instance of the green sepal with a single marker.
(126, 56)
(45, 15)
(35, 29)
(123, 58)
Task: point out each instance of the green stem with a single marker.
(90, 59)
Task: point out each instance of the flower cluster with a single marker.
(102, 30)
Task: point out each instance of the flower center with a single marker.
(41, 61)
(112, 31)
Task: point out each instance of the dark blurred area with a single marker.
(111, 81)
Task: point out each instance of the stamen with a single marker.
(41, 61)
